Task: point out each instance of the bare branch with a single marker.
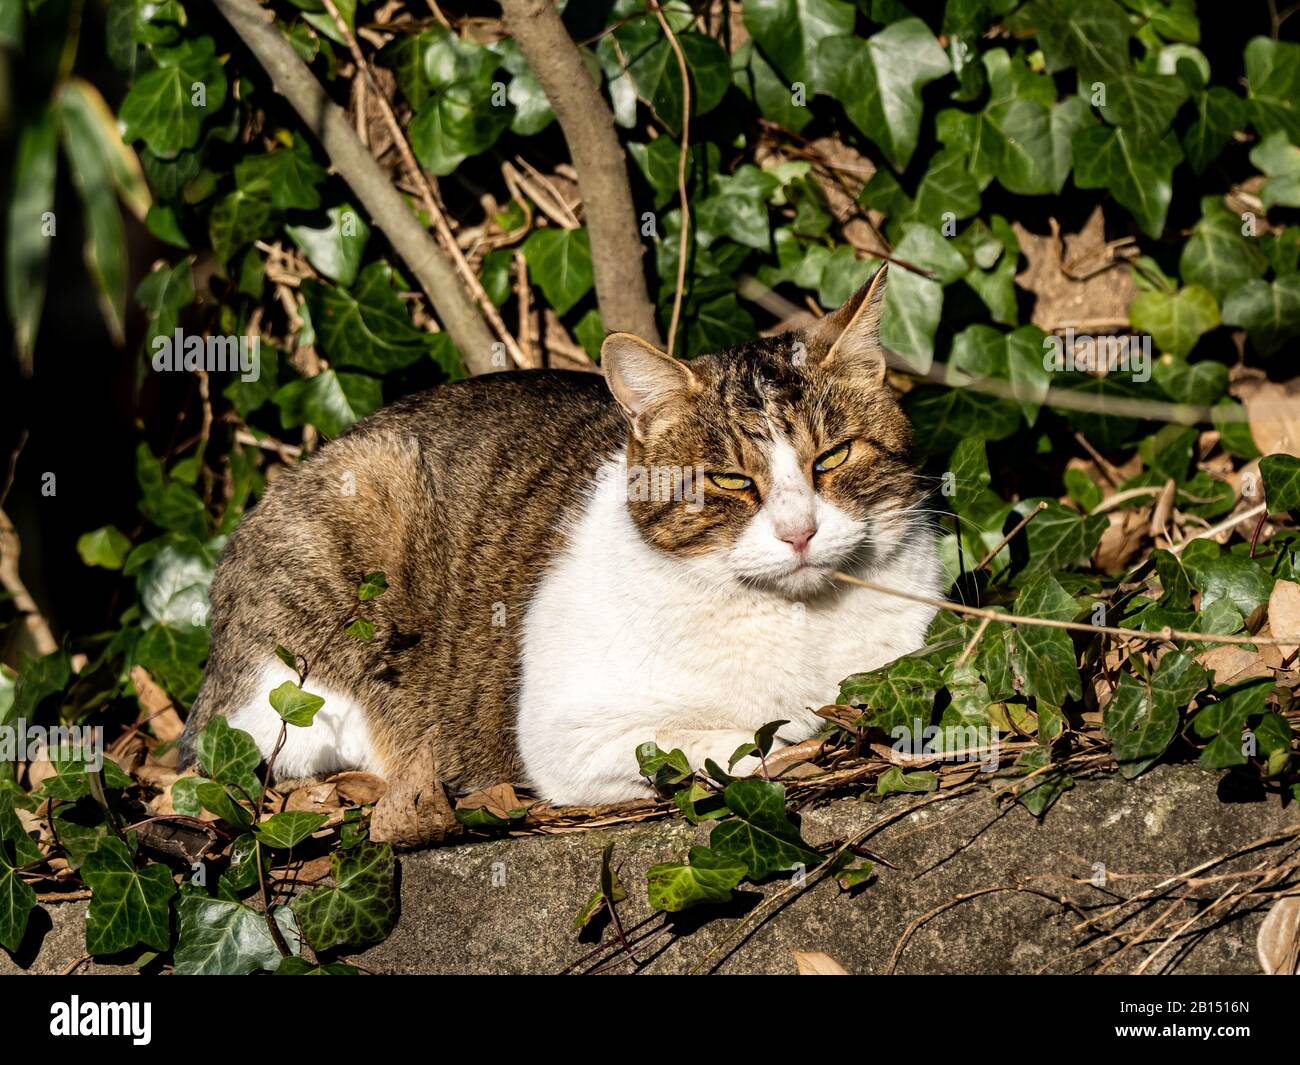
(385, 205)
(588, 126)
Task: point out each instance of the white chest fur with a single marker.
(624, 644)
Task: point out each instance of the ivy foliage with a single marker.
(825, 136)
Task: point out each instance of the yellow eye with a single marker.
(732, 482)
(835, 457)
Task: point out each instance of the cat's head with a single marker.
(777, 462)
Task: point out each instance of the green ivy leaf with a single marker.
(879, 82)
(708, 877)
(17, 899)
(559, 260)
(1222, 722)
(288, 178)
(1092, 37)
(366, 326)
(229, 756)
(105, 546)
(1139, 178)
(127, 905)
(1273, 95)
(360, 908)
(331, 401)
(610, 888)
(226, 938)
(159, 107)
(372, 586)
(1045, 656)
(645, 62)
(294, 705)
(1175, 320)
(790, 31)
(1280, 160)
(336, 248)
(1142, 717)
(1059, 537)
(1281, 474)
(1219, 114)
(288, 829)
(1217, 254)
(895, 696)
(895, 782)
(761, 837)
(1269, 311)
(462, 113)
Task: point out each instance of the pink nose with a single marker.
(799, 539)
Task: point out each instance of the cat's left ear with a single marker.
(849, 339)
(642, 378)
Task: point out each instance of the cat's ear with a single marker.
(849, 339)
(642, 378)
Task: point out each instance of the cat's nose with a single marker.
(798, 538)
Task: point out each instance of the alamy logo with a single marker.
(21, 742)
(215, 354)
(667, 484)
(77, 1018)
(1126, 354)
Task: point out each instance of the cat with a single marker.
(577, 566)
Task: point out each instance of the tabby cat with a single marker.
(578, 565)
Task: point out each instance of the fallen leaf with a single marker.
(414, 811)
(1273, 413)
(359, 788)
(783, 761)
(1233, 663)
(1122, 539)
(1284, 613)
(309, 872)
(816, 963)
(1278, 943)
(316, 799)
(499, 800)
(158, 708)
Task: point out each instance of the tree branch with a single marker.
(372, 186)
(588, 126)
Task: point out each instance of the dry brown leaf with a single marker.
(316, 799)
(164, 721)
(1096, 305)
(309, 872)
(785, 759)
(1164, 507)
(1278, 943)
(817, 963)
(1122, 539)
(1284, 613)
(414, 811)
(359, 788)
(1232, 663)
(156, 776)
(499, 800)
(1273, 411)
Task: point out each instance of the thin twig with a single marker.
(1167, 634)
(682, 151)
(1042, 506)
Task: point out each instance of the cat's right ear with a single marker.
(642, 378)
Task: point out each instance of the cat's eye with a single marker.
(834, 457)
(732, 482)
